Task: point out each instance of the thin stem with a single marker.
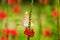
(13, 38)
(58, 28)
(31, 6)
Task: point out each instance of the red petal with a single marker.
(14, 32)
(31, 33)
(54, 13)
(10, 2)
(2, 15)
(3, 38)
(16, 9)
(26, 32)
(6, 31)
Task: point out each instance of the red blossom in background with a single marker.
(31, 33)
(16, 9)
(54, 13)
(10, 2)
(26, 32)
(47, 32)
(43, 1)
(14, 32)
(3, 38)
(6, 31)
(3, 15)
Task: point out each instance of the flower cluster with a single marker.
(26, 19)
(29, 32)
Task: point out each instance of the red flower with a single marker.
(47, 32)
(2, 15)
(16, 9)
(3, 38)
(43, 1)
(54, 13)
(26, 32)
(14, 32)
(31, 33)
(6, 31)
(10, 2)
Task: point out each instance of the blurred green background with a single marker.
(41, 15)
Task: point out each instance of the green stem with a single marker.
(13, 38)
(7, 37)
(31, 6)
(58, 28)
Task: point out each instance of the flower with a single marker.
(47, 32)
(26, 32)
(14, 32)
(31, 33)
(16, 9)
(43, 1)
(2, 15)
(10, 2)
(3, 38)
(54, 13)
(6, 31)
(26, 19)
